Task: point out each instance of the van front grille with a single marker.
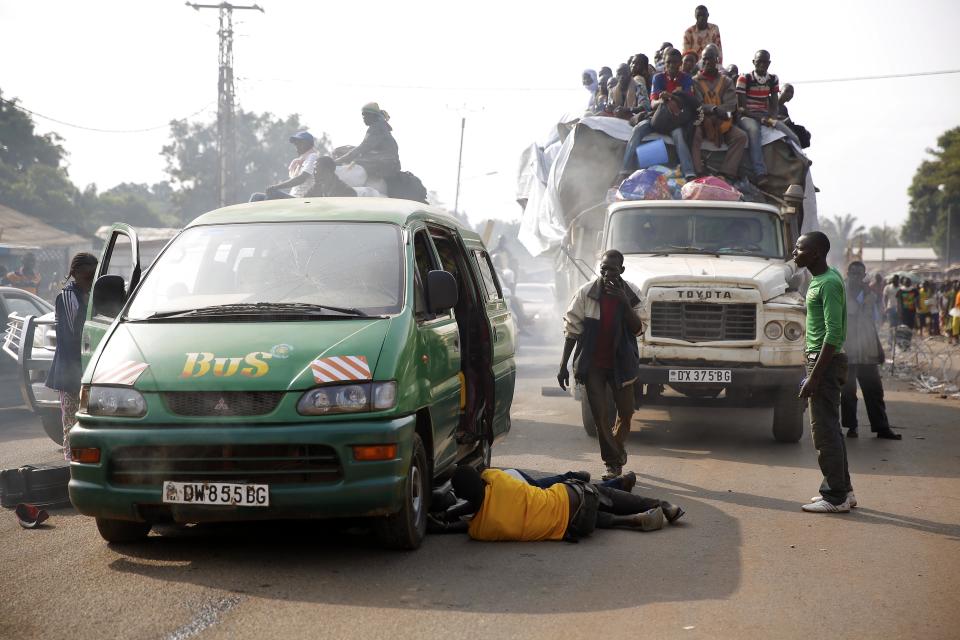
(254, 463)
(702, 321)
(221, 403)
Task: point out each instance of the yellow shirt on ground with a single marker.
(515, 510)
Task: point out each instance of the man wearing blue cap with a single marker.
(301, 171)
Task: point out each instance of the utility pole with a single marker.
(883, 248)
(456, 200)
(226, 121)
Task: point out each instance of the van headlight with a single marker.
(121, 402)
(348, 398)
(793, 331)
(773, 330)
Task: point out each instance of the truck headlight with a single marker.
(121, 402)
(793, 331)
(773, 330)
(348, 398)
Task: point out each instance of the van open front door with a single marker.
(118, 274)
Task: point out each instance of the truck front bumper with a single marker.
(740, 375)
(359, 489)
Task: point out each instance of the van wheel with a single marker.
(52, 422)
(788, 416)
(407, 528)
(122, 531)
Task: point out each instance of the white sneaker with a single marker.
(822, 506)
(852, 499)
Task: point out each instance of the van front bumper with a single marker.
(359, 489)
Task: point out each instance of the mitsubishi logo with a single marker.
(221, 406)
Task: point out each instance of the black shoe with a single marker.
(583, 476)
(671, 511)
(628, 481)
(889, 434)
(853, 433)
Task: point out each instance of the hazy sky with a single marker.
(511, 67)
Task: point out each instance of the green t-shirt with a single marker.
(826, 311)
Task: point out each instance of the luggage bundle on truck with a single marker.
(723, 312)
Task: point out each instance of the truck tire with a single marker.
(122, 531)
(52, 422)
(788, 416)
(407, 528)
(586, 416)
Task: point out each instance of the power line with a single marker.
(883, 77)
(417, 87)
(35, 114)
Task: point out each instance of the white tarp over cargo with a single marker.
(573, 171)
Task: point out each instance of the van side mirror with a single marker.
(109, 294)
(441, 291)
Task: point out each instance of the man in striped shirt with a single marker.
(758, 94)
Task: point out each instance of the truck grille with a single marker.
(703, 322)
(221, 403)
(260, 463)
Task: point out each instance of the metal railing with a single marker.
(18, 344)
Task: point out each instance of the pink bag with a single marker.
(709, 188)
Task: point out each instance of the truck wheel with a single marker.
(788, 416)
(122, 531)
(52, 422)
(586, 416)
(406, 528)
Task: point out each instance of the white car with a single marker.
(23, 374)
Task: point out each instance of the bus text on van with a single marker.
(201, 363)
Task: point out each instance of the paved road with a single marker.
(746, 562)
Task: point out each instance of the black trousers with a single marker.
(868, 375)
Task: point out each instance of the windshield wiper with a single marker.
(260, 308)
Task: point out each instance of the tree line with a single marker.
(34, 178)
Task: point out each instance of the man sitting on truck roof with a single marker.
(300, 171)
(758, 105)
(624, 96)
(716, 91)
(665, 87)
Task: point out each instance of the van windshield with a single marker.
(355, 266)
(700, 230)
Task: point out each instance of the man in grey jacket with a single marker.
(602, 324)
(865, 354)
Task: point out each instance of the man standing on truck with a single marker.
(602, 323)
(826, 372)
(697, 37)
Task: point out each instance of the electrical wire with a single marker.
(33, 113)
(350, 85)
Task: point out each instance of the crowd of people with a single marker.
(689, 95)
(927, 307)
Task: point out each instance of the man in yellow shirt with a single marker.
(506, 508)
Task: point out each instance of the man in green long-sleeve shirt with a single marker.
(826, 372)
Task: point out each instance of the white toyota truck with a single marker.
(722, 313)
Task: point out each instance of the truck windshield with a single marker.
(700, 230)
(352, 266)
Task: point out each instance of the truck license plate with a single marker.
(699, 375)
(216, 493)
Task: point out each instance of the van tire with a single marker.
(788, 416)
(407, 528)
(52, 422)
(122, 531)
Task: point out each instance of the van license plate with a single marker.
(699, 375)
(216, 493)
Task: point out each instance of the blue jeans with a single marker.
(752, 127)
(641, 131)
(549, 481)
